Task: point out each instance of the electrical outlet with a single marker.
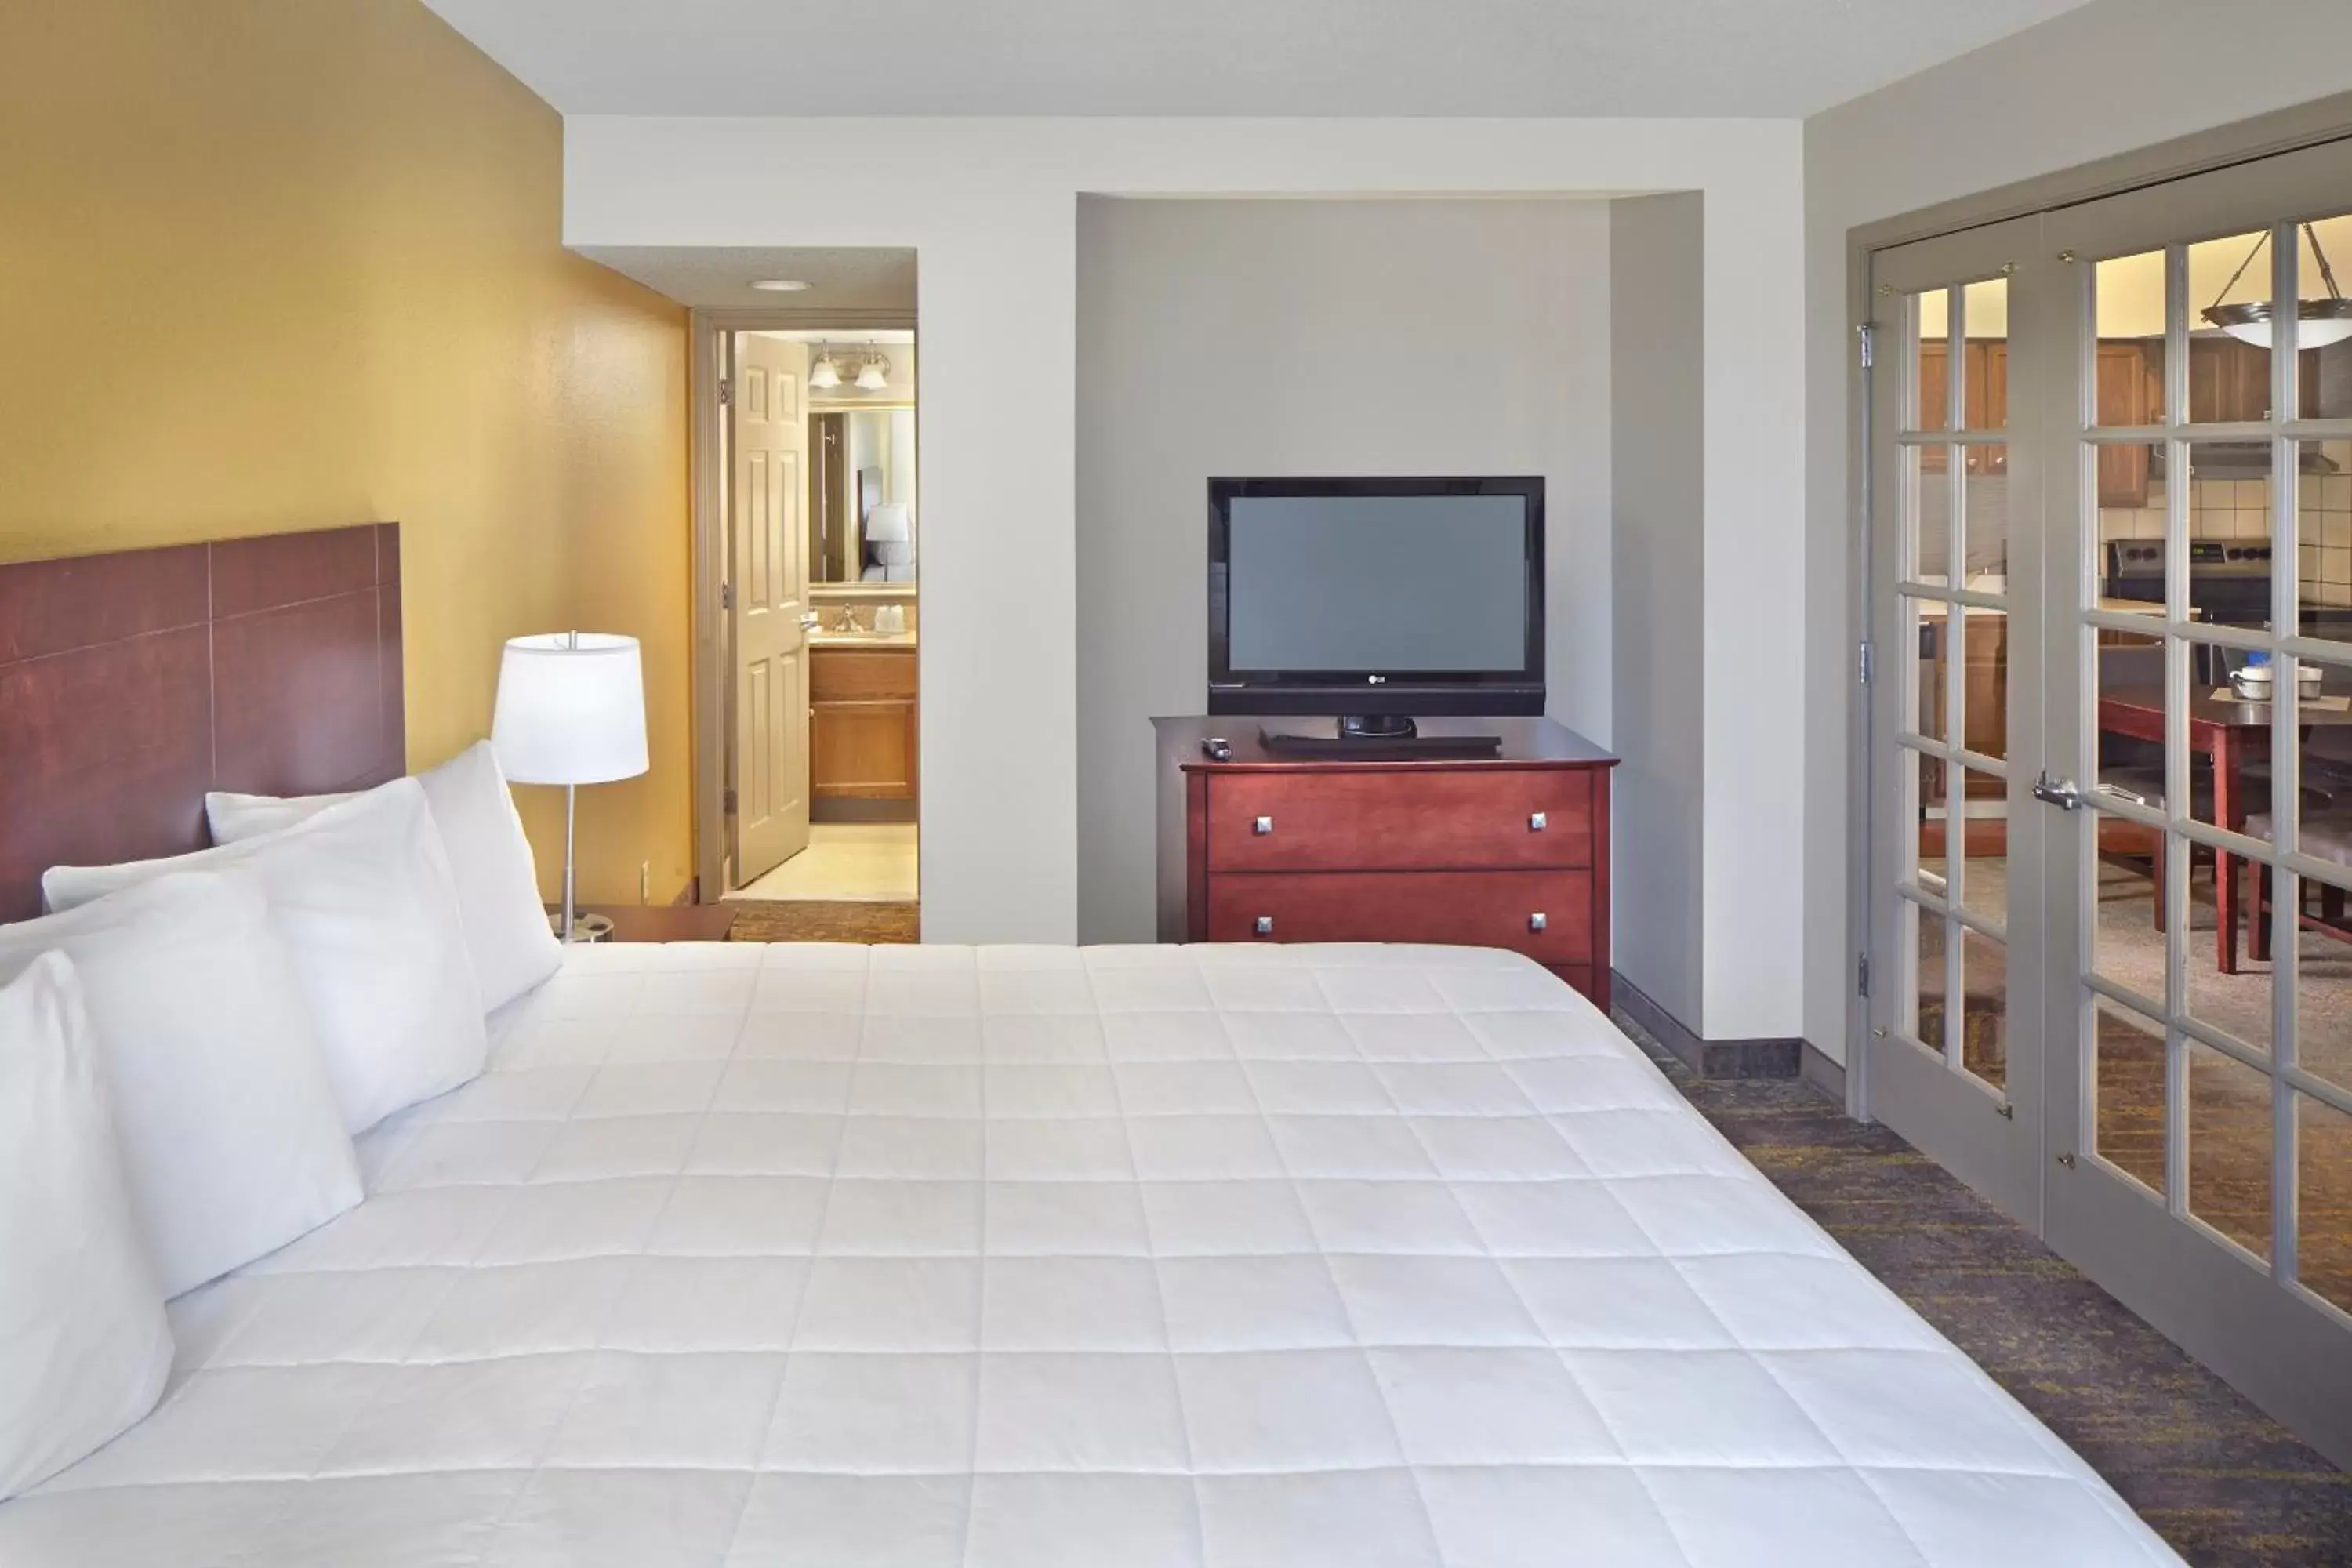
(645, 881)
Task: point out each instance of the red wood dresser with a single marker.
(1509, 850)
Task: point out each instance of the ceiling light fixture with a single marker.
(2319, 322)
(873, 374)
(778, 285)
(824, 374)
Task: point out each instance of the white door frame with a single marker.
(708, 331)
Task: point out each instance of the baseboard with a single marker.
(1710, 1058)
(1824, 1074)
(862, 811)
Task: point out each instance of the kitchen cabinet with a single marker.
(1985, 369)
(2130, 392)
(2230, 382)
(862, 723)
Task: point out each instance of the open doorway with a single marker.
(825, 593)
(808, 548)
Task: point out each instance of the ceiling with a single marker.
(846, 287)
(1741, 57)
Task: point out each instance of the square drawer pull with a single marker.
(1265, 925)
(1536, 823)
(1262, 825)
(1536, 922)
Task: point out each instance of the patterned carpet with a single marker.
(770, 920)
(2227, 1486)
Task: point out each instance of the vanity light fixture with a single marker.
(873, 374)
(778, 285)
(2319, 322)
(824, 374)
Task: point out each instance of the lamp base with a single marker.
(585, 926)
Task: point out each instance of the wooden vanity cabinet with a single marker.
(862, 723)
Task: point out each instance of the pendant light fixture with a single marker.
(872, 373)
(824, 374)
(2319, 322)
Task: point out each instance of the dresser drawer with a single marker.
(1399, 820)
(1470, 909)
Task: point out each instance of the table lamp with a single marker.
(571, 711)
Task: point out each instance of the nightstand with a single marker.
(664, 922)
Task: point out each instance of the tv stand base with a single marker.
(1377, 726)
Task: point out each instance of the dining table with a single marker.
(2229, 730)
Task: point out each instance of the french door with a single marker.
(2111, 506)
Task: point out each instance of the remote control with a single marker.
(1217, 748)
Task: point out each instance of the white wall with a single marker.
(2113, 77)
(1658, 580)
(991, 205)
(1330, 337)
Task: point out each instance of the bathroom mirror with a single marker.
(861, 503)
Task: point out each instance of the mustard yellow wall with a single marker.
(286, 264)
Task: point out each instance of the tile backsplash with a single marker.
(2240, 508)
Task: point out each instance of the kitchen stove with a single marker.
(2229, 580)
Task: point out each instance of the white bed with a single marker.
(1198, 1257)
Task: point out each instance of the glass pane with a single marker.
(2126, 936)
(2323, 538)
(2229, 344)
(1984, 686)
(2323, 760)
(1933, 363)
(1984, 1007)
(2322, 1205)
(1929, 646)
(2325, 333)
(2128, 1107)
(1928, 979)
(2131, 526)
(1925, 778)
(2229, 527)
(2228, 1160)
(1984, 873)
(2128, 683)
(2236, 1001)
(1984, 363)
(2131, 341)
(2229, 733)
(1986, 488)
(2323, 968)
(1928, 503)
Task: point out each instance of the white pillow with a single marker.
(362, 895)
(84, 1346)
(498, 885)
(232, 1140)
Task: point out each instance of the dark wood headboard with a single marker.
(131, 683)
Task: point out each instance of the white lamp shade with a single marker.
(570, 710)
(887, 522)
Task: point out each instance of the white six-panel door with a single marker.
(769, 576)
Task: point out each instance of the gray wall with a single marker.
(1658, 559)
(2110, 78)
(1312, 337)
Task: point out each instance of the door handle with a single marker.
(2063, 793)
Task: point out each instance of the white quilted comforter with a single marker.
(1120, 1257)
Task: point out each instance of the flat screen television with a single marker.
(1376, 599)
